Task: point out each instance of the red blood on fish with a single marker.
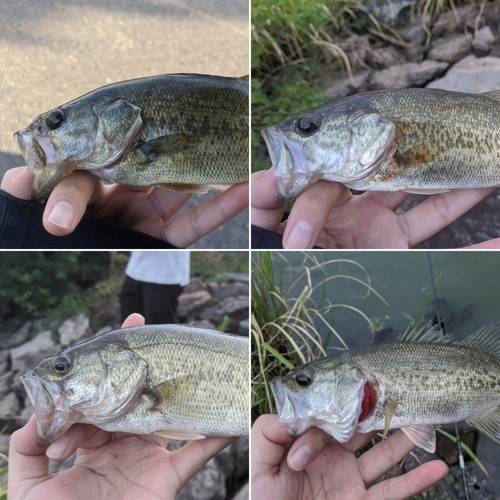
(369, 402)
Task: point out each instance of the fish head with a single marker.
(326, 397)
(83, 134)
(82, 385)
(327, 143)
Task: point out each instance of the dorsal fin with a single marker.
(486, 339)
(424, 332)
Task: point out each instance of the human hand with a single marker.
(317, 467)
(117, 466)
(141, 208)
(328, 215)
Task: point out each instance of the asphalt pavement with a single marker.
(53, 51)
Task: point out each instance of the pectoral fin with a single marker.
(389, 408)
(426, 191)
(184, 435)
(423, 436)
(174, 391)
(188, 188)
(167, 145)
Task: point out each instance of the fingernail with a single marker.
(300, 236)
(62, 214)
(57, 449)
(300, 458)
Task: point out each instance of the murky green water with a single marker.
(467, 284)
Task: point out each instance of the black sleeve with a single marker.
(263, 238)
(21, 227)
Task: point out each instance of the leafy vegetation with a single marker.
(211, 266)
(50, 284)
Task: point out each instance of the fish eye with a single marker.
(307, 125)
(61, 365)
(303, 379)
(55, 119)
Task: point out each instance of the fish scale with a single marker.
(426, 140)
(180, 131)
(173, 380)
(423, 381)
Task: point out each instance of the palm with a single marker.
(365, 222)
(144, 470)
(331, 471)
(144, 210)
(333, 474)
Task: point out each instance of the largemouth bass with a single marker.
(422, 141)
(180, 132)
(176, 381)
(421, 382)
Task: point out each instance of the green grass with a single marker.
(212, 266)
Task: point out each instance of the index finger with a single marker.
(269, 442)
(267, 208)
(192, 457)
(17, 182)
(310, 213)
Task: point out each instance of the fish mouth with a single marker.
(31, 150)
(52, 418)
(289, 408)
(41, 158)
(287, 157)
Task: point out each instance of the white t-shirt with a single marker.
(167, 268)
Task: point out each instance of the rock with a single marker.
(450, 49)
(234, 307)
(209, 483)
(451, 21)
(239, 456)
(244, 327)
(221, 291)
(27, 356)
(389, 10)
(243, 493)
(471, 75)
(195, 285)
(202, 323)
(26, 413)
(347, 86)
(237, 277)
(4, 443)
(22, 335)
(4, 360)
(107, 310)
(483, 42)
(384, 57)
(6, 383)
(74, 329)
(190, 304)
(104, 329)
(10, 405)
(407, 75)
(414, 33)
